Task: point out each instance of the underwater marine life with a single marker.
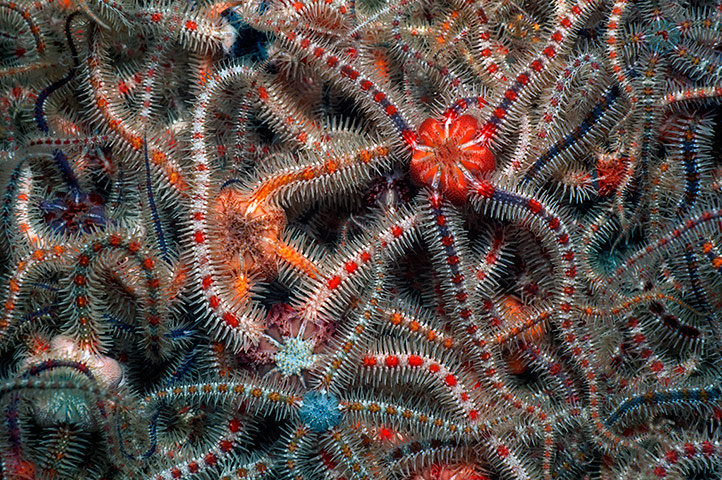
(424, 239)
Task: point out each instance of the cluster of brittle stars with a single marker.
(345, 240)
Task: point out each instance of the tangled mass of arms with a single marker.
(328, 239)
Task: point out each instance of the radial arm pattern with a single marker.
(330, 239)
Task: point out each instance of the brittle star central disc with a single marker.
(320, 411)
